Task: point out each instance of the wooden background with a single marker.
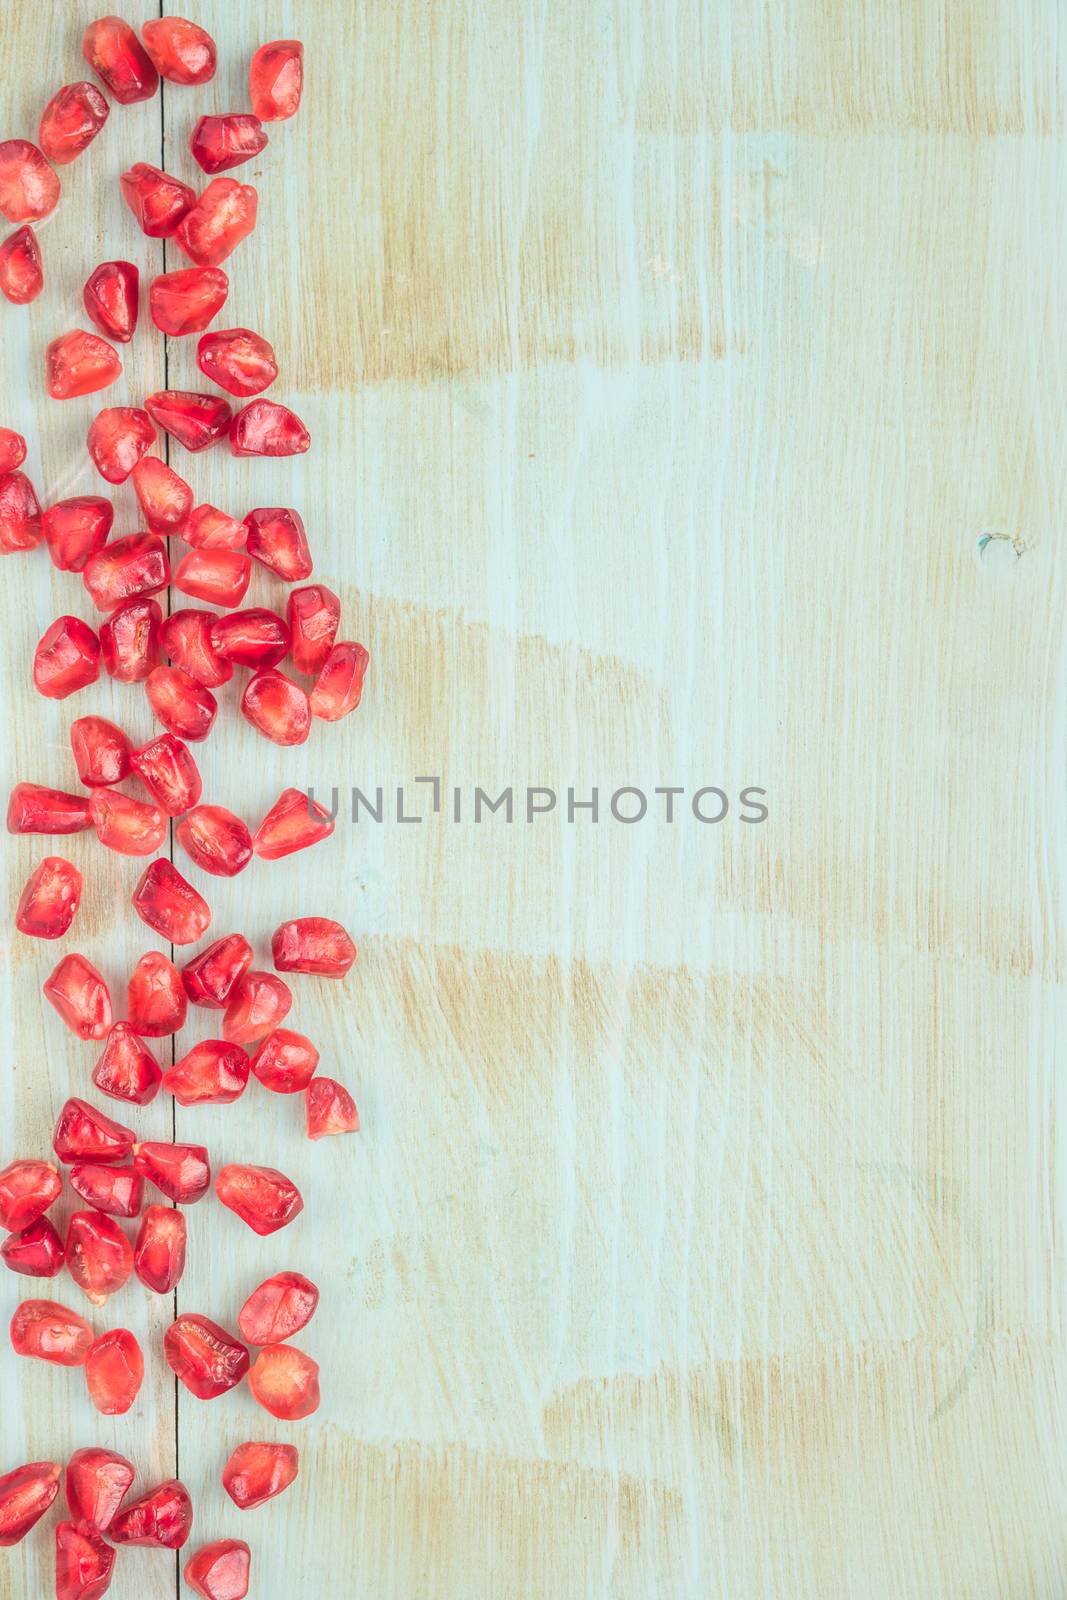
(666, 363)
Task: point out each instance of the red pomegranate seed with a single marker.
(85, 1134)
(182, 52)
(27, 1190)
(211, 529)
(339, 686)
(314, 614)
(276, 80)
(211, 975)
(197, 421)
(220, 1571)
(66, 659)
(158, 201)
(166, 768)
(99, 1255)
(257, 1003)
(216, 840)
(186, 640)
(171, 906)
(43, 1330)
(211, 1073)
(129, 640)
(117, 439)
(71, 121)
(239, 361)
(34, 809)
(218, 576)
(186, 301)
(219, 143)
(162, 1519)
(204, 1356)
(114, 1372)
(277, 706)
(312, 944)
(165, 499)
(80, 995)
(119, 60)
(330, 1109)
(251, 638)
(29, 189)
(184, 707)
(265, 428)
(127, 1069)
(292, 823)
(76, 529)
(110, 298)
(25, 1496)
(20, 514)
(84, 1563)
(118, 1191)
(97, 1483)
(257, 1472)
(49, 902)
(285, 1382)
(101, 751)
(13, 453)
(180, 1171)
(126, 569)
(128, 826)
(261, 1196)
(285, 1062)
(159, 1254)
(276, 539)
(156, 1001)
(223, 216)
(278, 1309)
(79, 363)
(36, 1252)
(21, 272)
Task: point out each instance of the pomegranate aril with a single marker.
(13, 452)
(36, 1252)
(314, 614)
(127, 1069)
(166, 768)
(285, 1382)
(43, 1330)
(293, 823)
(21, 272)
(79, 363)
(339, 686)
(161, 1519)
(277, 707)
(265, 428)
(120, 60)
(257, 1003)
(197, 421)
(186, 640)
(101, 751)
(71, 121)
(312, 944)
(25, 1496)
(276, 539)
(185, 707)
(117, 1191)
(251, 638)
(20, 514)
(97, 1483)
(261, 1196)
(170, 905)
(278, 1309)
(182, 52)
(330, 1109)
(285, 1062)
(180, 1171)
(117, 439)
(276, 80)
(49, 902)
(84, 1563)
(76, 529)
(204, 1356)
(27, 1190)
(165, 499)
(130, 827)
(208, 528)
(81, 997)
(110, 299)
(220, 577)
(210, 976)
(220, 1571)
(99, 1255)
(238, 360)
(186, 301)
(83, 1133)
(256, 1472)
(29, 189)
(224, 215)
(215, 840)
(35, 809)
(218, 143)
(114, 1372)
(129, 640)
(66, 659)
(157, 200)
(156, 1001)
(211, 1073)
(159, 1254)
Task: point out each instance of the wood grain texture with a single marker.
(665, 363)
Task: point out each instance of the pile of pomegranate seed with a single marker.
(113, 1238)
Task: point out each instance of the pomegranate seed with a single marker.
(216, 840)
(276, 80)
(210, 976)
(180, 1171)
(25, 1496)
(330, 1109)
(110, 298)
(80, 995)
(13, 452)
(34, 809)
(80, 363)
(128, 826)
(21, 272)
(49, 902)
(158, 201)
(187, 641)
(159, 1254)
(184, 707)
(127, 1069)
(156, 1001)
(197, 421)
(277, 706)
(76, 529)
(312, 944)
(166, 768)
(314, 614)
(162, 1519)
(292, 823)
(285, 1062)
(265, 428)
(218, 143)
(43, 1330)
(165, 499)
(36, 1252)
(97, 1483)
(85, 1134)
(101, 751)
(67, 658)
(119, 60)
(29, 189)
(114, 1372)
(276, 539)
(257, 1472)
(182, 52)
(339, 686)
(118, 1191)
(27, 1190)
(211, 529)
(251, 638)
(186, 301)
(224, 215)
(84, 1563)
(261, 1196)
(171, 906)
(71, 121)
(211, 1073)
(20, 514)
(204, 1356)
(218, 576)
(239, 361)
(278, 1309)
(129, 640)
(285, 1382)
(99, 1255)
(258, 1002)
(220, 1571)
(117, 439)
